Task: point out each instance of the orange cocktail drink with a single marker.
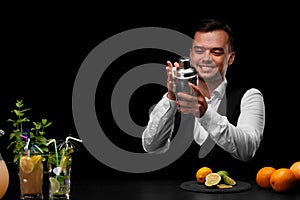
(31, 176)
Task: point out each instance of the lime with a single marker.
(54, 185)
(223, 172)
(212, 179)
(26, 164)
(228, 180)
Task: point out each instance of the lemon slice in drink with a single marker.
(212, 179)
(54, 185)
(26, 164)
(63, 164)
(36, 159)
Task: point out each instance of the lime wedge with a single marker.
(228, 180)
(54, 185)
(212, 179)
(222, 173)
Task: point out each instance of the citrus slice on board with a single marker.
(212, 179)
(224, 186)
(228, 180)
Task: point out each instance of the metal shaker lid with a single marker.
(186, 70)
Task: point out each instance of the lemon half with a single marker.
(54, 185)
(212, 179)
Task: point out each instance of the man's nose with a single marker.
(206, 56)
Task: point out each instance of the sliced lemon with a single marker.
(224, 186)
(36, 159)
(212, 179)
(64, 163)
(26, 164)
(54, 185)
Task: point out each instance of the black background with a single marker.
(43, 46)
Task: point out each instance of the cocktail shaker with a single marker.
(182, 75)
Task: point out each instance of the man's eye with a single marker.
(217, 52)
(200, 51)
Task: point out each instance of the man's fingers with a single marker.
(196, 89)
(169, 64)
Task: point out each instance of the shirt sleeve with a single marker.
(241, 140)
(157, 134)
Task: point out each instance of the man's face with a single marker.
(210, 55)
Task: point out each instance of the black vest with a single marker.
(219, 159)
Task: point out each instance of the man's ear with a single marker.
(231, 58)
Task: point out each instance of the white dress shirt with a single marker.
(241, 141)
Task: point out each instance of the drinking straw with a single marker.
(55, 148)
(36, 146)
(69, 137)
(66, 142)
(27, 143)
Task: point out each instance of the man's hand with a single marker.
(192, 104)
(169, 68)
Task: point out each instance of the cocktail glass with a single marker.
(59, 167)
(31, 172)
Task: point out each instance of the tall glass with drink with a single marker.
(31, 172)
(59, 168)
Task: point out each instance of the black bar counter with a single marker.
(155, 190)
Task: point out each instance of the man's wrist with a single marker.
(171, 96)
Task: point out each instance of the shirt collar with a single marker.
(220, 90)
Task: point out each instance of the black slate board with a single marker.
(194, 186)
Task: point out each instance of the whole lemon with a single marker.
(202, 173)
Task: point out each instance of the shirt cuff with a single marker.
(168, 104)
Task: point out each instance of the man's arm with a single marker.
(156, 137)
(243, 140)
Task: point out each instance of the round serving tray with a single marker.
(194, 186)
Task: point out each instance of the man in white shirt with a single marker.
(238, 130)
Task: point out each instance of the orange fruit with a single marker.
(283, 179)
(295, 167)
(263, 176)
(202, 173)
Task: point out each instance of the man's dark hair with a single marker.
(208, 25)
